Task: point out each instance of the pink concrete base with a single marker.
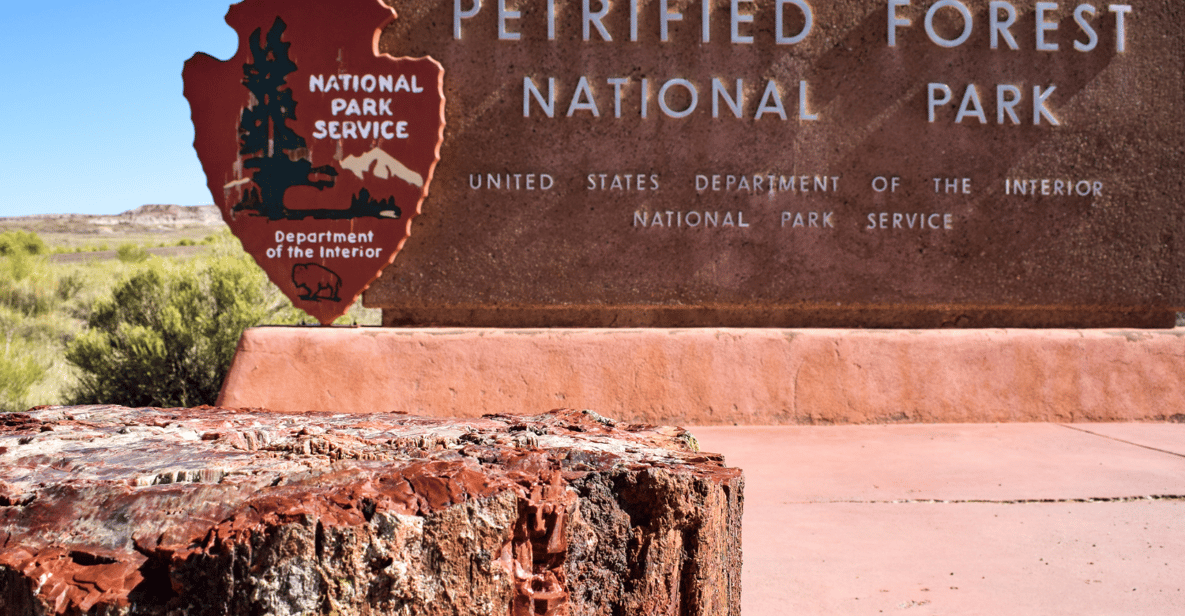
(719, 376)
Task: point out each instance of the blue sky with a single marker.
(92, 118)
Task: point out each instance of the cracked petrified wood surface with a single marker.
(111, 510)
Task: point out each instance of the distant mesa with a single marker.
(171, 215)
(145, 216)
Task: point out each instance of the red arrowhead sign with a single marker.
(317, 148)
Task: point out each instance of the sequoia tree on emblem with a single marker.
(265, 133)
(317, 148)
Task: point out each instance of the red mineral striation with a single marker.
(119, 511)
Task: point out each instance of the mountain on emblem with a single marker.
(318, 149)
(384, 167)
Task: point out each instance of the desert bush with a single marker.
(19, 371)
(21, 242)
(69, 286)
(29, 296)
(16, 267)
(27, 285)
(131, 253)
(161, 331)
(167, 333)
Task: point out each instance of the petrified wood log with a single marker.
(111, 510)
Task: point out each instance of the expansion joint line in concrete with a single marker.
(1171, 453)
(985, 501)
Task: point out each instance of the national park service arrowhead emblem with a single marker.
(317, 148)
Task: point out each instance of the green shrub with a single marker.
(16, 267)
(69, 285)
(21, 242)
(131, 253)
(18, 373)
(27, 286)
(166, 335)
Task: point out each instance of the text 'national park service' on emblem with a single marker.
(317, 148)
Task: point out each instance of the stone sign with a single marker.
(888, 163)
(317, 148)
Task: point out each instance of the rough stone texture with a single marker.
(573, 255)
(716, 376)
(110, 510)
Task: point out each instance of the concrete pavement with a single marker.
(1018, 518)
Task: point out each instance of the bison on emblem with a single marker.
(317, 282)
